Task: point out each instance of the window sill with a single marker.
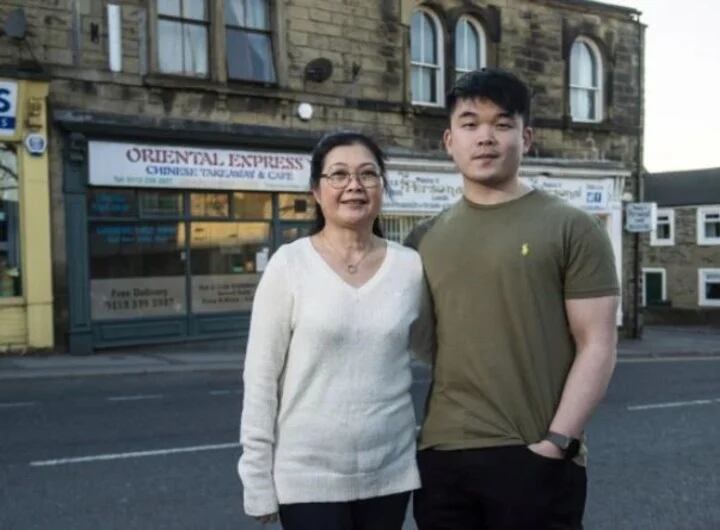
(708, 242)
(597, 126)
(234, 86)
(662, 243)
(437, 111)
(12, 301)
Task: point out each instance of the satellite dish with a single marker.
(16, 24)
(318, 70)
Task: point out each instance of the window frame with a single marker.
(653, 270)
(482, 41)
(270, 32)
(701, 217)
(702, 282)
(439, 67)
(655, 241)
(207, 23)
(600, 75)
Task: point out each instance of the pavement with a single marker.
(665, 342)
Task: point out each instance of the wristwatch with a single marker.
(569, 446)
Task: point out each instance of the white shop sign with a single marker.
(640, 216)
(8, 108)
(421, 192)
(118, 298)
(589, 195)
(163, 166)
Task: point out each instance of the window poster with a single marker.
(218, 293)
(120, 298)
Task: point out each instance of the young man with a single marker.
(525, 294)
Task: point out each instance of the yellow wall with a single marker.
(27, 321)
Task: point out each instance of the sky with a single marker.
(682, 83)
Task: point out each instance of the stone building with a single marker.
(681, 257)
(180, 132)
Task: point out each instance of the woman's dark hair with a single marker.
(326, 144)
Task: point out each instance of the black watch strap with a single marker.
(569, 446)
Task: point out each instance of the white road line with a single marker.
(138, 397)
(673, 404)
(223, 392)
(17, 404)
(135, 454)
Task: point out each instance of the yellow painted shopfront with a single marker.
(26, 304)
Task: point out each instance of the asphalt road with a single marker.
(159, 451)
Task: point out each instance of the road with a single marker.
(159, 451)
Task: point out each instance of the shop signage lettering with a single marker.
(8, 108)
(589, 195)
(119, 298)
(223, 292)
(421, 192)
(138, 165)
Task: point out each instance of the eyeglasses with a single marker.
(340, 178)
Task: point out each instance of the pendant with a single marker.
(352, 269)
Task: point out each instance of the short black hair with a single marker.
(326, 144)
(500, 86)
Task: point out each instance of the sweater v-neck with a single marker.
(369, 283)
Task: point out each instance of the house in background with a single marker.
(681, 257)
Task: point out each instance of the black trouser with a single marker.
(503, 488)
(377, 513)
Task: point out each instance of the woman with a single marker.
(328, 427)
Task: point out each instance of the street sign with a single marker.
(640, 216)
(8, 108)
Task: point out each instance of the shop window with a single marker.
(709, 287)
(160, 204)
(469, 46)
(10, 269)
(108, 202)
(708, 225)
(296, 206)
(249, 41)
(654, 286)
(251, 205)
(426, 53)
(664, 233)
(137, 269)
(586, 75)
(182, 37)
(225, 261)
(216, 205)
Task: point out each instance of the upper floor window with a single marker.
(585, 81)
(469, 46)
(708, 225)
(248, 40)
(182, 29)
(426, 59)
(664, 233)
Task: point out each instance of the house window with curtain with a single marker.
(249, 41)
(182, 37)
(708, 225)
(469, 46)
(585, 81)
(426, 59)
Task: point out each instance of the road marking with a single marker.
(135, 454)
(138, 397)
(17, 404)
(223, 392)
(673, 404)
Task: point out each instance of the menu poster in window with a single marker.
(223, 292)
(119, 298)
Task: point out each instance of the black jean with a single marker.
(503, 488)
(377, 513)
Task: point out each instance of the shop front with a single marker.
(169, 241)
(25, 276)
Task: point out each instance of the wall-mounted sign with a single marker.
(8, 108)
(591, 195)
(164, 166)
(421, 192)
(35, 144)
(640, 216)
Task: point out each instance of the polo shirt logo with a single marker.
(525, 249)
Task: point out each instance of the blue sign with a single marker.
(8, 108)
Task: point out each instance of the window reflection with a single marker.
(227, 248)
(252, 205)
(296, 206)
(209, 205)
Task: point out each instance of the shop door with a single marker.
(653, 288)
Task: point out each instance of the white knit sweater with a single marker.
(327, 413)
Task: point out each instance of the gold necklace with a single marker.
(352, 268)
